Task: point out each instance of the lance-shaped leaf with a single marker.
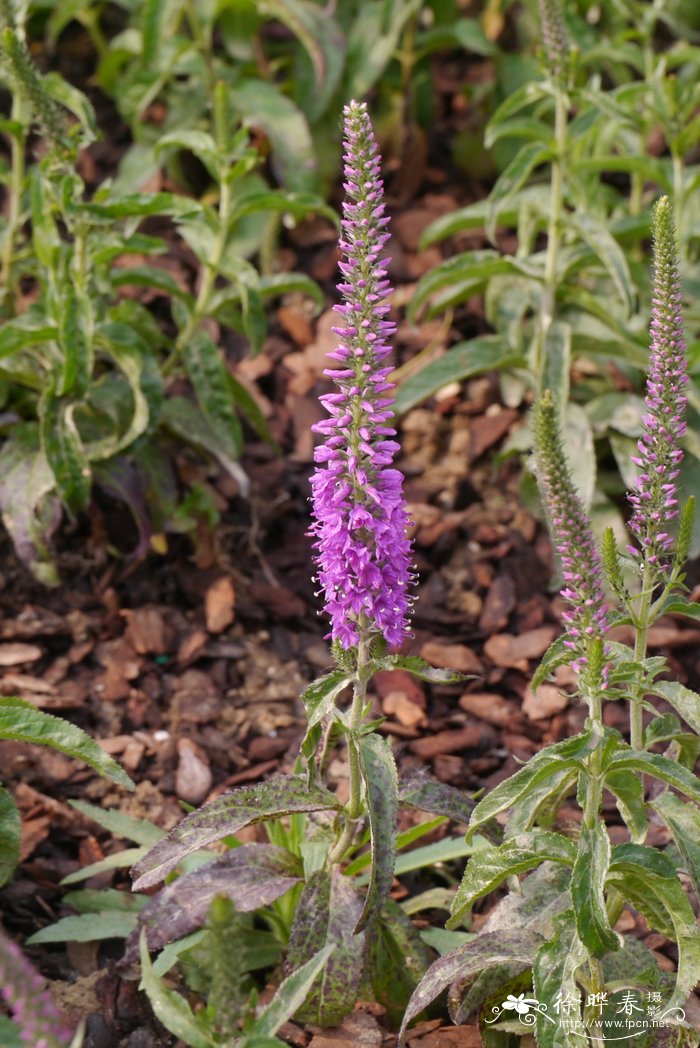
(382, 793)
(9, 836)
(64, 451)
(29, 512)
(319, 698)
(172, 1008)
(648, 879)
(22, 722)
(544, 895)
(425, 794)
(290, 996)
(250, 876)
(226, 815)
(587, 891)
(485, 951)
(683, 820)
(544, 798)
(490, 867)
(554, 974)
(653, 764)
(557, 654)
(544, 766)
(628, 790)
(420, 668)
(685, 701)
(327, 914)
(397, 959)
(209, 376)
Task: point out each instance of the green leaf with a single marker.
(21, 332)
(545, 765)
(578, 446)
(557, 360)
(603, 244)
(171, 1008)
(251, 876)
(319, 698)
(372, 42)
(628, 789)
(685, 701)
(441, 851)
(74, 100)
(587, 891)
(10, 833)
(510, 181)
(523, 96)
(291, 994)
(74, 332)
(460, 277)
(326, 915)
(554, 973)
(461, 362)
(64, 451)
(263, 106)
(648, 879)
(403, 840)
(420, 668)
(683, 820)
(130, 353)
(152, 277)
(275, 284)
(210, 380)
(227, 814)
(99, 900)
(381, 789)
(141, 831)
(557, 654)
(484, 951)
(88, 927)
(659, 767)
(22, 722)
(298, 205)
(10, 1036)
(117, 861)
(26, 479)
(490, 867)
(188, 423)
(397, 959)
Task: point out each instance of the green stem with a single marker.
(14, 208)
(549, 286)
(641, 637)
(354, 806)
(679, 200)
(591, 816)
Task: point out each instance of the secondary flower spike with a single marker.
(40, 1023)
(586, 610)
(359, 511)
(654, 500)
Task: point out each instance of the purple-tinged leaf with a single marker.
(485, 951)
(422, 669)
(9, 836)
(226, 815)
(425, 794)
(327, 914)
(250, 876)
(397, 959)
(382, 790)
(588, 894)
(30, 510)
(555, 973)
(289, 997)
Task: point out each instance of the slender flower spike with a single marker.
(358, 505)
(554, 36)
(585, 617)
(40, 1023)
(654, 501)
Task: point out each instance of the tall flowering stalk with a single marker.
(40, 1023)
(359, 512)
(654, 500)
(585, 615)
(358, 506)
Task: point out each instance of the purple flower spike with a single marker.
(40, 1023)
(585, 617)
(358, 505)
(654, 502)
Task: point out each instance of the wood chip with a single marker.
(193, 778)
(499, 603)
(545, 702)
(359, 1030)
(16, 653)
(513, 652)
(219, 603)
(487, 430)
(397, 704)
(451, 657)
(493, 709)
(192, 646)
(23, 682)
(148, 630)
(387, 681)
(469, 738)
(450, 1037)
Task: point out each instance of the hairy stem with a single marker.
(353, 809)
(549, 287)
(641, 636)
(14, 208)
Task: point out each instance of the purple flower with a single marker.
(358, 505)
(585, 615)
(655, 502)
(40, 1023)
